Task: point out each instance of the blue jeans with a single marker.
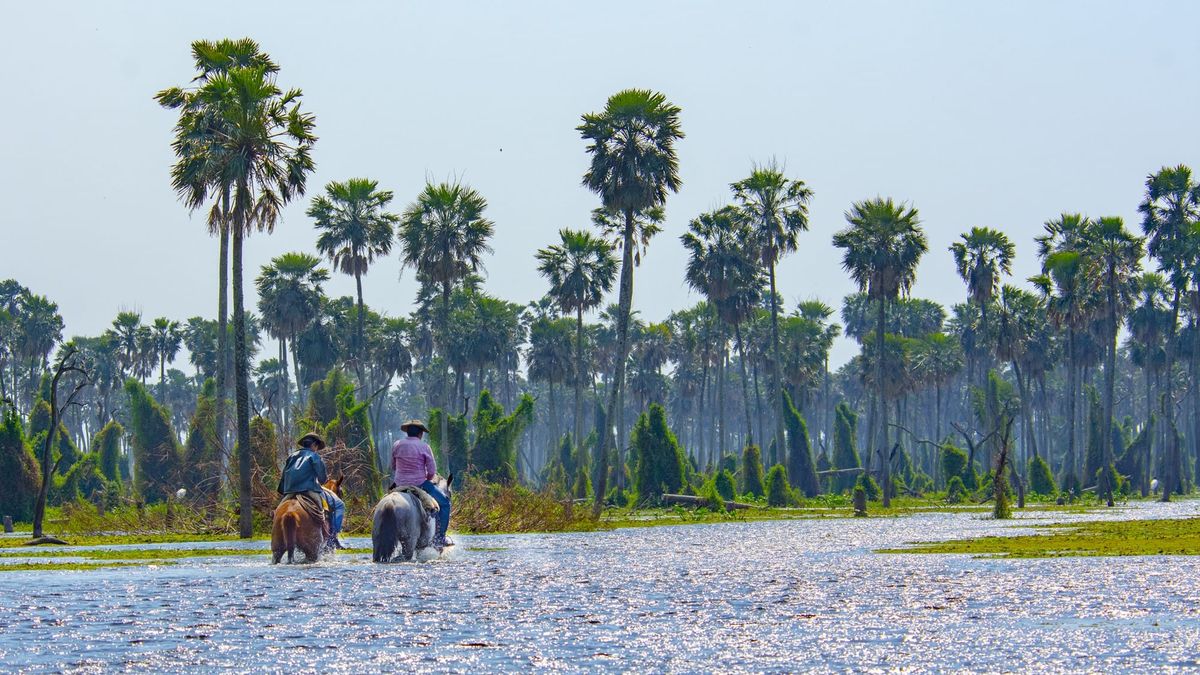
(338, 515)
(443, 516)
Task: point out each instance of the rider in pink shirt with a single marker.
(413, 464)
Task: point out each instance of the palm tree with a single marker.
(197, 173)
(776, 209)
(633, 167)
(581, 270)
(289, 298)
(260, 151)
(882, 247)
(815, 310)
(445, 235)
(1148, 327)
(356, 229)
(936, 359)
(39, 328)
(723, 266)
(981, 258)
(167, 339)
(1117, 257)
(549, 359)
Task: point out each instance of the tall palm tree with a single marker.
(633, 167)
(1148, 327)
(776, 209)
(1117, 256)
(1170, 217)
(167, 339)
(355, 229)
(444, 235)
(289, 299)
(937, 358)
(981, 258)
(581, 270)
(39, 328)
(882, 247)
(260, 150)
(1070, 302)
(723, 265)
(815, 310)
(197, 172)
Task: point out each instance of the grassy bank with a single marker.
(1120, 538)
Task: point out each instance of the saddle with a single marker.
(314, 510)
(429, 503)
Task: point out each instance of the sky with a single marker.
(978, 114)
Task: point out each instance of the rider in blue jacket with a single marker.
(305, 471)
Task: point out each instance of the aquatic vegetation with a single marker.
(1118, 538)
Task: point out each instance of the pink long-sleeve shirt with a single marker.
(412, 462)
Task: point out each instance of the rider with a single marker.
(305, 472)
(413, 464)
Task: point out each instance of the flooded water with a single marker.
(770, 596)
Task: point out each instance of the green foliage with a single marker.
(85, 480)
(582, 489)
(22, 477)
(800, 465)
(779, 493)
(752, 471)
(845, 452)
(156, 452)
(63, 449)
(107, 443)
(1041, 478)
(1133, 462)
(1069, 485)
(723, 480)
(566, 455)
(494, 454)
(452, 455)
(1001, 508)
(869, 486)
(322, 399)
(659, 459)
(954, 463)
(712, 498)
(956, 492)
(202, 450)
(729, 462)
(352, 428)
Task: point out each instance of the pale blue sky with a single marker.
(997, 114)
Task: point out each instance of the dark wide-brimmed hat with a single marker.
(414, 423)
(317, 440)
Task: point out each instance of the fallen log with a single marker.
(835, 472)
(46, 540)
(692, 500)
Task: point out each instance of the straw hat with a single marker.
(414, 423)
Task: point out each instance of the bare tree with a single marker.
(68, 362)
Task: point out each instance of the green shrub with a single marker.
(494, 453)
(660, 461)
(63, 449)
(779, 493)
(799, 460)
(845, 454)
(869, 486)
(956, 492)
(723, 481)
(752, 471)
(1041, 478)
(582, 489)
(712, 499)
(954, 461)
(156, 450)
(107, 443)
(22, 477)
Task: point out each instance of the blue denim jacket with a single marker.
(304, 472)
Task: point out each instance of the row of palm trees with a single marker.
(243, 149)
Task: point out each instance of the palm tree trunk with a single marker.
(241, 364)
(444, 320)
(578, 381)
(624, 304)
(286, 431)
(1072, 385)
(737, 330)
(223, 329)
(722, 439)
(776, 374)
(882, 407)
(357, 357)
(296, 370)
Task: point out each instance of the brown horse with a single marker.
(298, 523)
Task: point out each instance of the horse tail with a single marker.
(385, 533)
(289, 533)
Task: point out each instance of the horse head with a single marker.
(443, 483)
(334, 485)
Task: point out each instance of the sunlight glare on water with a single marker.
(764, 596)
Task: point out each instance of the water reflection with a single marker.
(759, 597)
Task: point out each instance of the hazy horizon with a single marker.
(1001, 116)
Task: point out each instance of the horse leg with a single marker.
(406, 548)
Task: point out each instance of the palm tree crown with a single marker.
(980, 258)
(581, 269)
(882, 247)
(444, 233)
(355, 228)
(632, 143)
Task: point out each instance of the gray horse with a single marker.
(405, 516)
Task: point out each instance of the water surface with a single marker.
(764, 596)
